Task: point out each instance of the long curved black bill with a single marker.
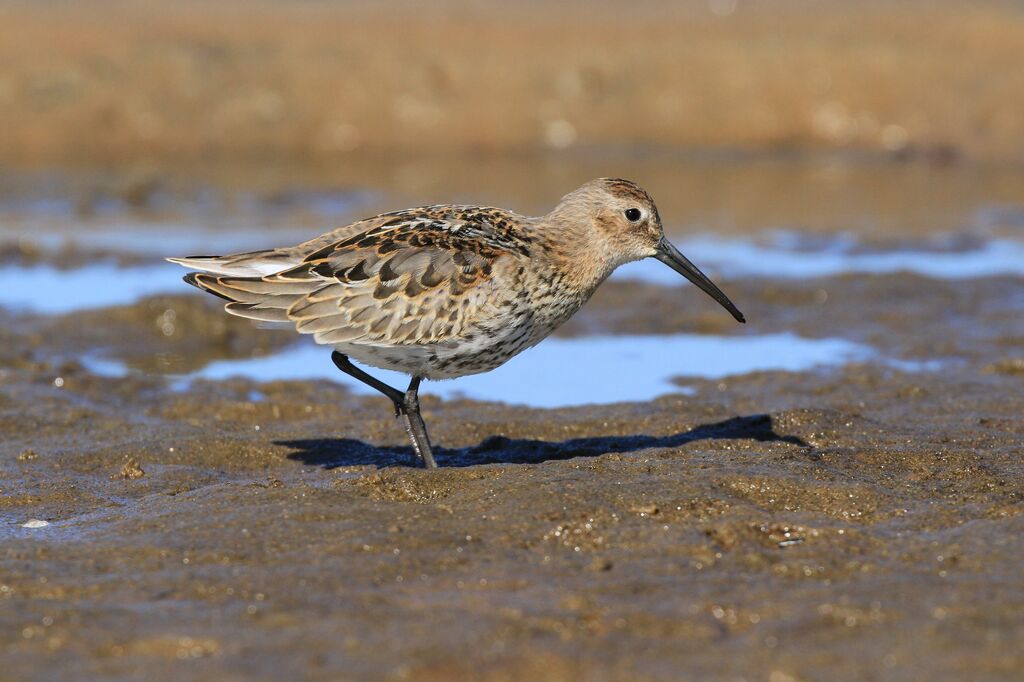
(670, 256)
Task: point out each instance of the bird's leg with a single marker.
(345, 365)
(414, 424)
(406, 405)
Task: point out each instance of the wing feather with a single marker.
(397, 279)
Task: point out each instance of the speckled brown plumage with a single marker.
(444, 291)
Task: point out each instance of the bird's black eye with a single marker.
(632, 214)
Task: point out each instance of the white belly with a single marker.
(481, 350)
(446, 360)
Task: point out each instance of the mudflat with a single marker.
(832, 491)
(848, 522)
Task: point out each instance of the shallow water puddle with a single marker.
(561, 372)
(160, 240)
(784, 259)
(49, 290)
(46, 289)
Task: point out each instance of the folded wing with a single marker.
(409, 280)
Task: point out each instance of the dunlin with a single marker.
(444, 291)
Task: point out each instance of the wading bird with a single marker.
(444, 291)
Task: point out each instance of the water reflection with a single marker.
(161, 240)
(791, 256)
(45, 289)
(593, 369)
(48, 290)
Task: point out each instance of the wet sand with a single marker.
(859, 522)
(855, 520)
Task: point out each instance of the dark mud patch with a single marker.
(864, 511)
(161, 335)
(25, 252)
(859, 520)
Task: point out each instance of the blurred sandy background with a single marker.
(109, 82)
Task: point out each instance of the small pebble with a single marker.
(35, 523)
(129, 472)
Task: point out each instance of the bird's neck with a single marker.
(576, 249)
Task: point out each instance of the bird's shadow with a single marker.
(330, 453)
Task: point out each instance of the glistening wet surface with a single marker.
(654, 492)
(50, 288)
(789, 255)
(577, 371)
(46, 289)
(160, 239)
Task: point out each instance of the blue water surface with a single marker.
(585, 370)
(48, 290)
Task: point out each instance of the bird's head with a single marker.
(624, 217)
